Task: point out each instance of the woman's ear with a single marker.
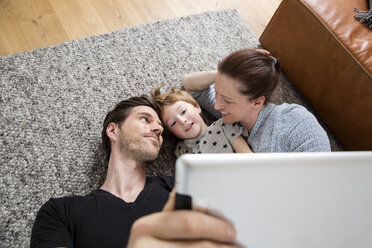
(259, 101)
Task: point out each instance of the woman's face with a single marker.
(233, 105)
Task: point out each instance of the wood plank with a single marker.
(184, 8)
(117, 14)
(152, 11)
(33, 25)
(9, 43)
(79, 18)
(47, 22)
(257, 14)
(26, 25)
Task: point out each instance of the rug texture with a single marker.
(53, 101)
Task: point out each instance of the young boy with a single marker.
(180, 113)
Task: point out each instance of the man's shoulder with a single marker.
(68, 201)
(165, 181)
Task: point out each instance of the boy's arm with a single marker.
(241, 146)
(198, 81)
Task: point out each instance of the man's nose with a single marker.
(157, 128)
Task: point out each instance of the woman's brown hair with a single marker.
(256, 72)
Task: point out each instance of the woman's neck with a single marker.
(252, 119)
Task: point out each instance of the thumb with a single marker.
(169, 206)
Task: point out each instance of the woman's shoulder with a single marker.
(292, 110)
(286, 116)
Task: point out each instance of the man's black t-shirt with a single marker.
(99, 219)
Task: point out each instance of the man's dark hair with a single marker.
(120, 113)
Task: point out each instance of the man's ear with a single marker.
(111, 130)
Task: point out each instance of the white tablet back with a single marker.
(299, 200)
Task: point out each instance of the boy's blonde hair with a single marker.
(171, 96)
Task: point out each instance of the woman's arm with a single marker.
(241, 146)
(198, 81)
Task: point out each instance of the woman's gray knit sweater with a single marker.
(279, 128)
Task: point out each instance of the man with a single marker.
(132, 136)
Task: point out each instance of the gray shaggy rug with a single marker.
(54, 99)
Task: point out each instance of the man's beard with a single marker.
(136, 148)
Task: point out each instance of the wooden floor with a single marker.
(30, 24)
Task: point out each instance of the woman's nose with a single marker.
(217, 105)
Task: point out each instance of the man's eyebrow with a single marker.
(147, 114)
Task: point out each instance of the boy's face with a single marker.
(183, 120)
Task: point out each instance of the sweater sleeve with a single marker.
(306, 134)
(206, 100)
(51, 228)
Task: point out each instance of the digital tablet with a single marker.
(283, 200)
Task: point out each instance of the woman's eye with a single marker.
(174, 123)
(183, 112)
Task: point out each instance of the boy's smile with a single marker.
(183, 120)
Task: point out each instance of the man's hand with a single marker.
(180, 228)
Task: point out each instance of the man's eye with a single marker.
(144, 119)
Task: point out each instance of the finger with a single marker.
(170, 205)
(150, 242)
(186, 224)
(263, 51)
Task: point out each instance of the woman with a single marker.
(242, 90)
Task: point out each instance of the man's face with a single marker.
(140, 134)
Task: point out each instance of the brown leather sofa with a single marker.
(328, 55)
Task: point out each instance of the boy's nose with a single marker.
(182, 120)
